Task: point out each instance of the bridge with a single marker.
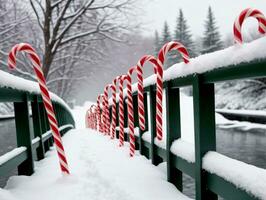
(145, 158)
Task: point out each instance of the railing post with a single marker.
(141, 146)
(136, 116)
(126, 135)
(117, 120)
(154, 158)
(173, 132)
(204, 120)
(37, 127)
(43, 125)
(23, 135)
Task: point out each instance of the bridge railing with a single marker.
(209, 184)
(32, 142)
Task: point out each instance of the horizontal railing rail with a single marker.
(209, 185)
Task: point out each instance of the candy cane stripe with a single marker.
(249, 12)
(45, 96)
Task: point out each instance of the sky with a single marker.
(195, 11)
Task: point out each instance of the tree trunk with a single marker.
(47, 61)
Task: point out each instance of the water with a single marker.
(8, 142)
(245, 146)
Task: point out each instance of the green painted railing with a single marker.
(207, 186)
(31, 146)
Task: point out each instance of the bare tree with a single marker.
(60, 22)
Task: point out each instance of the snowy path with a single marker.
(100, 170)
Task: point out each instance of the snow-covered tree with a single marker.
(157, 43)
(166, 37)
(211, 39)
(183, 35)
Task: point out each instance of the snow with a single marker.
(160, 143)
(136, 130)
(35, 140)
(184, 150)
(101, 173)
(247, 177)
(243, 126)
(10, 81)
(257, 113)
(11, 154)
(79, 113)
(49, 133)
(146, 136)
(234, 55)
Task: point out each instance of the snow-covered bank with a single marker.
(99, 170)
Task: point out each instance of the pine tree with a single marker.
(166, 37)
(182, 34)
(212, 39)
(157, 43)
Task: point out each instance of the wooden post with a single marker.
(43, 125)
(22, 120)
(204, 124)
(136, 116)
(154, 158)
(141, 146)
(173, 132)
(37, 127)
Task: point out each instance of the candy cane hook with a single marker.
(35, 60)
(114, 107)
(122, 78)
(130, 110)
(158, 70)
(249, 12)
(107, 124)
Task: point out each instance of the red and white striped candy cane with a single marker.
(100, 112)
(88, 119)
(121, 109)
(92, 116)
(159, 93)
(107, 124)
(130, 110)
(114, 107)
(173, 46)
(249, 12)
(35, 60)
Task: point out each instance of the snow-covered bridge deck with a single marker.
(99, 170)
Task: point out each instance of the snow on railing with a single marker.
(201, 73)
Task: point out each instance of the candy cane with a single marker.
(88, 119)
(100, 113)
(121, 109)
(35, 60)
(130, 111)
(114, 107)
(107, 117)
(249, 12)
(173, 46)
(159, 95)
(92, 116)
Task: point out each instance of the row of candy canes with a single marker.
(158, 70)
